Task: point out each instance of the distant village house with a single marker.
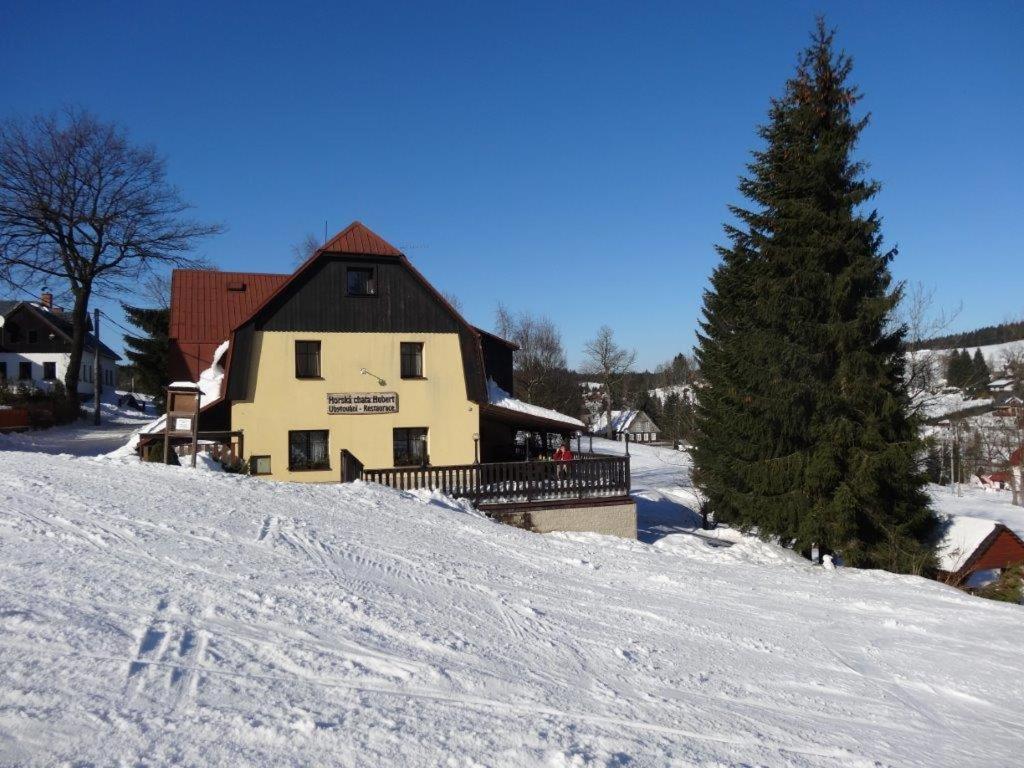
(635, 423)
(35, 347)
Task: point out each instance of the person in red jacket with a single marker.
(562, 455)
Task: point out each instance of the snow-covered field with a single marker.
(152, 615)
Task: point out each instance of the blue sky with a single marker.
(572, 159)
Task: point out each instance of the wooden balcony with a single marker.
(518, 482)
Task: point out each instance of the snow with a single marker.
(499, 397)
(211, 380)
(682, 391)
(961, 537)
(153, 614)
(979, 502)
(80, 438)
(934, 406)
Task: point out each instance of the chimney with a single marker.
(46, 299)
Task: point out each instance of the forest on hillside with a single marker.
(980, 337)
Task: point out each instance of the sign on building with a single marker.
(339, 403)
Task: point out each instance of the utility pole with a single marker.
(96, 386)
(952, 451)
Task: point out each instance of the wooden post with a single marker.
(167, 435)
(96, 386)
(195, 431)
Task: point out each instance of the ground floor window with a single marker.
(49, 371)
(25, 371)
(410, 446)
(3, 371)
(308, 450)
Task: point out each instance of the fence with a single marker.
(510, 482)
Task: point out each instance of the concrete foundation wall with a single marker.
(610, 519)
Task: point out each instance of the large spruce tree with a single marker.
(804, 426)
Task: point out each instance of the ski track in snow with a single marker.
(159, 615)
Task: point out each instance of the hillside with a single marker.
(156, 615)
(980, 337)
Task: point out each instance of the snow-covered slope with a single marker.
(155, 615)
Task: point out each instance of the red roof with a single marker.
(207, 305)
(356, 238)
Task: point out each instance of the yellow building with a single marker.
(354, 352)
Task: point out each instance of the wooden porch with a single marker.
(511, 482)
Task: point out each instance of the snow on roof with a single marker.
(499, 397)
(961, 538)
(620, 421)
(210, 381)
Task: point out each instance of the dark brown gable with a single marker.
(315, 300)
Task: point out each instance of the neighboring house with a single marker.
(637, 424)
(974, 550)
(1004, 384)
(1010, 407)
(1002, 479)
(355, 351)
(35, 347)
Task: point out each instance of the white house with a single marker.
(35, 347)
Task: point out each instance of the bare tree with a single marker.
(454, 300)
(1001, 436)
(541, 373)
(1013, 366)
(81, 205)
(918, 315)
(305, 248)
(608, 363)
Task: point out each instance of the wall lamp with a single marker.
(373, 375)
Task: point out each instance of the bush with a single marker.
(154, 452)
(46, 407)
(237, 467)
(1007, 588)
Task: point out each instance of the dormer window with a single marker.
(361, 281)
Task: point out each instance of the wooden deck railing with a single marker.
(518, 481)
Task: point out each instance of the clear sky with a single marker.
(567, 158)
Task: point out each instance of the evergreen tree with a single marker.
(966, 369)
(980, 375)
(954, 374)
(148, 354)
(804, 430)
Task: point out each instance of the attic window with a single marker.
(236, 285)
(361, 281)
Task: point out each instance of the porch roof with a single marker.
(530, 422)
